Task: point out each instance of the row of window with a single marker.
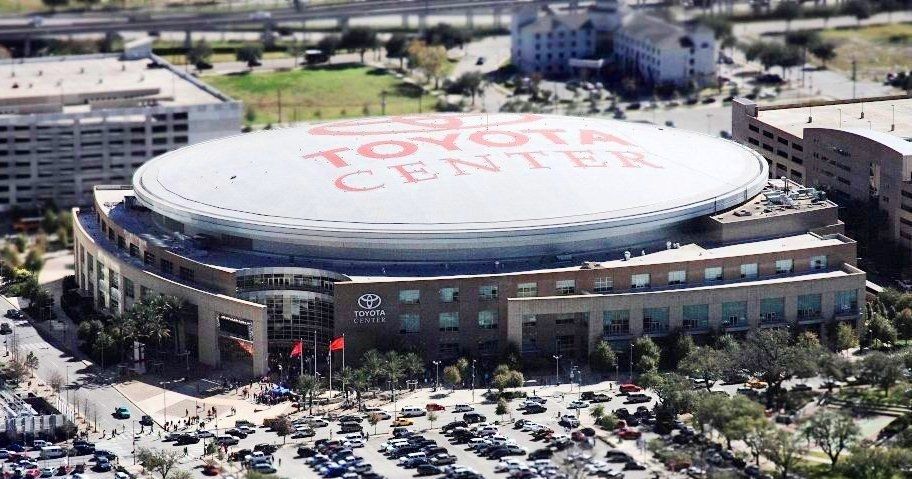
(606, 284)
(734, 314)
(448, 321)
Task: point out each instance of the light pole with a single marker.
(473, 381)
(631, 362)
(556, 368)
(436, 374)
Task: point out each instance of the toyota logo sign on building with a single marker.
(369, 301)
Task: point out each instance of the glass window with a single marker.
(114, 278)
(713, 273)
(449, 295)
(409, 296)
(772, 310)
(166, 266)
(616, 322)
(449, 321)
(655, 320)
(847, 302)
(565, 286)
(186, 273)
(486, 293)
(677, 277)
(526, 290)
(149, 258)
(784, 266)
(603, 285)
(565, 318)
(409, 323)
(749, 270)
(734, 314)
(529, 320)
(144, 292)
(696, 317)
(809, 306)
(819, 262)
(128, 288)
(134, 250)
(488, 348)
(487, 319)
(639, 280)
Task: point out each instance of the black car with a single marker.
(186, 439)
(427, 470)
(203, 66)
(266, 448)
(305, 451)
(453, 425)
(543, 453)
(535, 409)
(633, 465)
(146, 420)
(633, 106)
(236, 433)
(597, 398)
(473, 417)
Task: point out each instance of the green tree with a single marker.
(502, 408)
(432, 417)
(199, 52)
(646, 354)
(784, 449)
(876, 462)
(446, 35)
(10, 259)
(55, 4)
(412, 364)
(880, 332)
(31, 362)
(282, 426)
(845, 337)
(832, 432)
(160, 462)
(49, 222)
(860, 9)
(902, 321)
(597, 412)
(603, 358)
(882, 369)
(306, 387)
(470, 83)
(788, 10)
(705, 363)
(504, 378)
(452, 375)
(33, 260)
(373, 419)
(328, 45)
(397, 47)
(21, 242)
(250, 53)
(771, 355)
(431, 59)
(360, 39)
(675, 393)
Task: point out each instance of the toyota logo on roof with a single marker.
(369, 301)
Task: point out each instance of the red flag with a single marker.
(337, 344)
(297, 349)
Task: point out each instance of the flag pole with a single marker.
(315, 355)
(330, 374)
(343, 366)
(301, 342)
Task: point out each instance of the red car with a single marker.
(434, 407)
(630, 388)
(629, 434)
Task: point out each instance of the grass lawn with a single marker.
(334, 91)
(878, 49)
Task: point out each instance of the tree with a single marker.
(21, 242)
(31, 362)
(250, 53)
(603, 358)
(597, 412)
(470, 82)
(771, 355)
(755, 432)
(835, 368)
(432, 417)
(783, 449)
(451, 375)
(33, 260)
(882, 369)
(328, 45)
(502, 408)
(49, 222)
(902, 321)
(412, 364)
(199, 53)
(646, 354)
(880, 332)
(832, 432)
(860, 9)
(373, 419)
(306, 386)
(101, 345)
(788, 10)
(676, 396)
(397, 47)
(54, 4)
(876, 462)
(845, 337)
(705, 363)
(282, 426)
(504, 378)
(446, 35)
(55, 381)
(360, 39)
(159, 462)
(431, 59)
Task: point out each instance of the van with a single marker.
(52, 452)
(412, 412)
(347, 427)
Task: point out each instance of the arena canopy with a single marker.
(460, 186)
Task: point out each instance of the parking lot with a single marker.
(491, 446)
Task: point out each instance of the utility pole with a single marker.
(279, 95)
(556, 368)
(631, 362)
(473, 381)
(854, 75)
(436, 375)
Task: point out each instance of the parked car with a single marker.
(434, 407)
(463, 408)
(121, 412)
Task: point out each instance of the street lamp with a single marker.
(473, 381)
(436, 374)
(556, 368)
(631, 362)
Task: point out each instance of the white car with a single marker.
(569, 421)
(463, 408)
(532, 427)
(353, 443)
(508, 465)
(578, 405)
(260, 15)
(317, 422)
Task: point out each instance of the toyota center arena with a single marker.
(464, 235)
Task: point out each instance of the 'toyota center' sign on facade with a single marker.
(410, 150)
